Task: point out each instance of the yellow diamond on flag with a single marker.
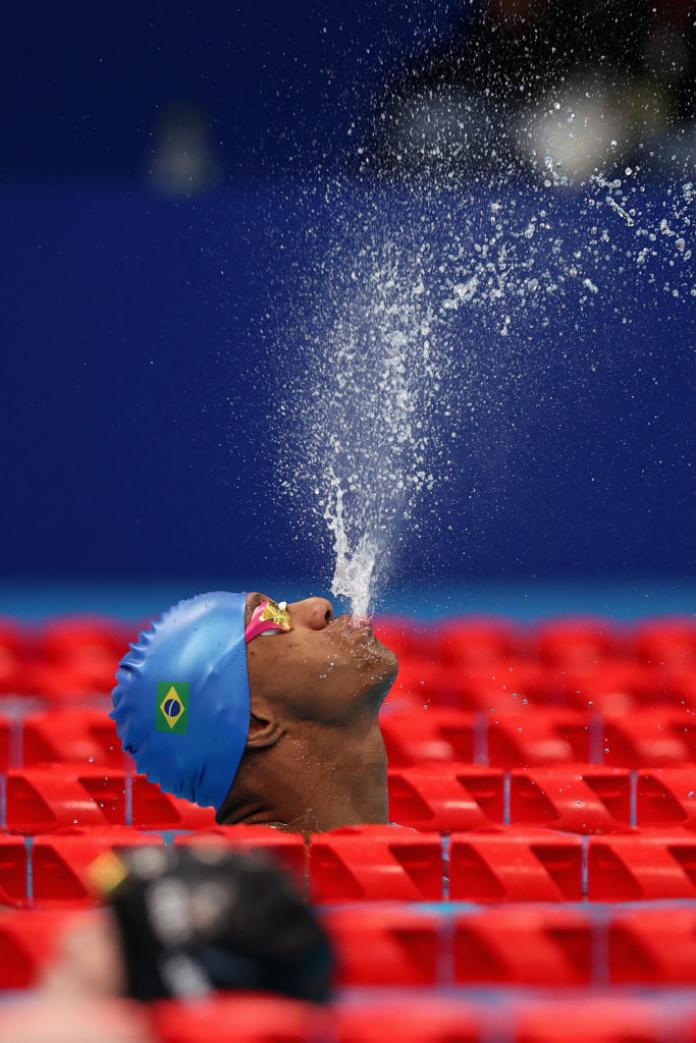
(172, 707)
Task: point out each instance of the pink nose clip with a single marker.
(268, 618)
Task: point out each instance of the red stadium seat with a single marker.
(475, 641)
(446, 797)
(649, 738)
(15, 640)
(653, 947)
(499, 686)
(384, 945)
(516, 865)
(610, 687)
(66, 684)
(539, 736)
(667, 642)
(579, 642)
(524, 945)
(153, 809)
(675, 686)
(84, 734)
(505, 686)
(62, 863)
(14, 654)
(288, 849)
(410, 640)
(84, 638)
(375, 863)
(420, 684)
(7, 727)
(593, 1020)
(584, 799)
(14, 865)
(28, 943)
(433, 734)
(667, 797)
(12, 675)
(647, 865)
(409, 1020)
(237, 1018)
(41, 800)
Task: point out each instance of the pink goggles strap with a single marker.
(267, 618)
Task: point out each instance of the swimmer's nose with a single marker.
(315, 613)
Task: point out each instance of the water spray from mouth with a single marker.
(355, 568)
(367, 428)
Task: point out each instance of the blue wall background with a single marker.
(126, 315)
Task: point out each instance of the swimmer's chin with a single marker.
(393, 661)
(382, 666)
(380, 688)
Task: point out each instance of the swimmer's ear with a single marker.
(264, 730)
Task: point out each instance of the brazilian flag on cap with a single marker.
(173, 706)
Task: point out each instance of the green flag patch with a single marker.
(173, 706)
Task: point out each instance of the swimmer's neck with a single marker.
(313, 781)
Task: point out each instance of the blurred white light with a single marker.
(568, 136)
(183, 162)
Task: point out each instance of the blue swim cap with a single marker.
(182, 703)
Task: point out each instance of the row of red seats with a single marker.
(585, 799)
(59, 796)
(470, 638)
(64, 658)
(564, 641)
(434, 1020)
(84, 734)
(613, 686)
(379, 863)
(529, 735)
(401, 945)
(551, 946)
(443, 797)
(508, 685)
(75, 658)
(406, 1019)
(512, 864)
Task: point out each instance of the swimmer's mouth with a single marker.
(356, 625)
(360, 623)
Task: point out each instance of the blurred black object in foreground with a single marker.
(192, 922)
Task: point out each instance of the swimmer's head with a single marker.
(221, 675)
